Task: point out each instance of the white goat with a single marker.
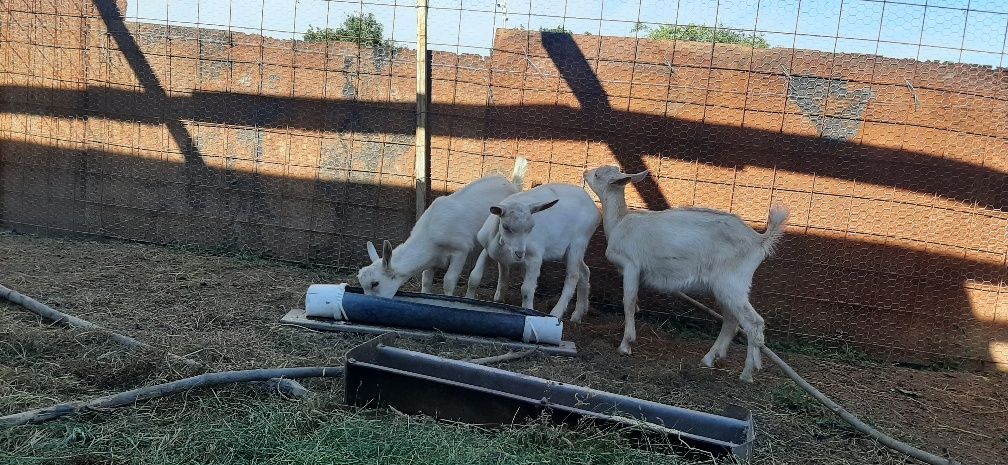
(686, 249)
(524, 229)
(444, 236)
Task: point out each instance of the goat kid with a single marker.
(444, 236)
(684, 249)
(550, 222)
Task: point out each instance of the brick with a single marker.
(894, 71)
(570, 152)
(613, 46)
(183, 75)
(727, 89)
(694, 54)
(763, 121)
(309, 83)
(566, 174)
(811, 63)
(854, 67)
(830, 212)
(466, 143)
(751, 203)
(797, 202)
(732, 56)
(305, 150)
(926, 141)
(686, 112)
(884, 135)
(689, 85)
(766, 92)
(890, 104)
(799, 125)
(713, 195)
(723, 116)
(647, 106)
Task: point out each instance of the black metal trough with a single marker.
(381, 375)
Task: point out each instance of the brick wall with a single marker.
(894, 169)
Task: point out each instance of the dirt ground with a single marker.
(223, 310)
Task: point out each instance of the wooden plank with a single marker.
(297, 317)
(422, 161)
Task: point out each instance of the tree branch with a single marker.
(502, 358)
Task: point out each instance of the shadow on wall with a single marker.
(894, 298)
(724, 146)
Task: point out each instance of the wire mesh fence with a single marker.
(286, 128)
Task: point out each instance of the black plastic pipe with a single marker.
(432, 312)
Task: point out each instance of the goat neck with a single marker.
(613, 209)
(411, 257)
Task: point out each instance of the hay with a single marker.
(223, 310)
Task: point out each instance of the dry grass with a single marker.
(224, 309)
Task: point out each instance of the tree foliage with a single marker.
(554, 30)
(362, 29)
(699, 33)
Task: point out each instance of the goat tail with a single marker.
(518, 173)
(775, 228)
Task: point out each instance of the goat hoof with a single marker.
(624, 349)
(708, 361)
(746, 377)
(575, 318)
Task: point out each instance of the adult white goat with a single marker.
(549, 222)
(444, 236)
(686, 249)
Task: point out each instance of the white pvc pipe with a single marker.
(325, 300)
(543, 329)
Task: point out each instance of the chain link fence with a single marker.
(286, 128)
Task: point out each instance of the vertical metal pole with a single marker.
(422, 163)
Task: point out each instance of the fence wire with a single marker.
(286, 128)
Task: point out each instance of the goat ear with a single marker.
(628, 178)
(372, 253)
(496, 210)
(387, 255)
(542, 206)
(639, 176)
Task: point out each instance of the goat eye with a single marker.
(374, 284)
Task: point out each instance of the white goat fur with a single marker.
(443, 237)
(550, 222)
(685, 249)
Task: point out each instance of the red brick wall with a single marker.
(896, 243)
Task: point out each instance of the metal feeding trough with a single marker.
(339, 307)
(380, 375)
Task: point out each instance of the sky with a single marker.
(967, 31)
